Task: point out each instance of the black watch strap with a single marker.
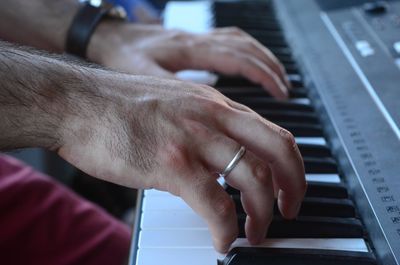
(82, 27)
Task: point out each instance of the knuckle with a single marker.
(287, 138)
(235, 30)
(198, 129)
(224, 207)
(261, 174)
(201, 44)
(179, 36)
(212, 106)
(251, 64)
(227, 52)
(175, 155)
(251, 43)
(250, 60)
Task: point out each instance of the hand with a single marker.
(170, 135)
(152, 50)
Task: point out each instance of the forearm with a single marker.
(37, 94)
(39, 23)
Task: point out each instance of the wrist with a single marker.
(85, 22)
(106, 37)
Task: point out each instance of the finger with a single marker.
(156, 70)
(238, 106)
(251, 176)
(205, 196)
(239, 39)
(249, 45)
(277, 147)
(230, 62)
(144, 66)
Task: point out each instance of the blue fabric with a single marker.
(131, 5)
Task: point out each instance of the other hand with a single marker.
(152, 50)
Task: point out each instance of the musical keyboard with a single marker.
(347, 132)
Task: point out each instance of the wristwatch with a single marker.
(85, 22)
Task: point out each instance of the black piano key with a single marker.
(314, 150)
(314, 206)
(222, 7)
(289, 116)
(320, 165)
(314, 189)
(257, 91)
(327, 207)
(327, 190)
(291, 68)
(268, 41)
(234, 81)
(267, 34)
(271, 103)
(284, 59)
(244, 25)
(299, 92)
(272, 44)
(284, 256)
(310, 227)
(296, 80)
(302, 129)
(282, 52)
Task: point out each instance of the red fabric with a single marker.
(42, 222)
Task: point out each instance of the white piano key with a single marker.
(327, 178)
(171, 220)
(154, 192)
(201, 256)
(198, 76)
(175, 238)
(185, 256)
(295, 77)
(304, 101)
(311, 140)
(343, 244)
(164, 203)
(197, 238)
(188, 16)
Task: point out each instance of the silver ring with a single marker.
(228, 169)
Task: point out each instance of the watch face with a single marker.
(117, 12)
(96, 3)
(113, 10)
